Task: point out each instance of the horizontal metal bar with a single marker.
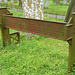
(15, 33)
(40, 27)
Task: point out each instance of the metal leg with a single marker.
(5, 36)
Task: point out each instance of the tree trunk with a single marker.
(32, 9)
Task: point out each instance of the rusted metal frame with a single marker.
(37, 20)
(68, 32)
(69, 38)
(2, 11)
(39, 27)
(8, 12)
(65, 33)
(14, 38)
(5, 34)
(4, 30)
(71, 42)
(71, 58)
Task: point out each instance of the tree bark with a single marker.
(32, 9)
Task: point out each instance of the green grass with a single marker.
(56, 9)
(20, 14)
(52, 9)
(14, 5)
(35, 56)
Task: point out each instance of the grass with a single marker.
(56, 9)
(14, 5)
(52, 9)
(20, 14)
(35, 56)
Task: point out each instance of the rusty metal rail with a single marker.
(40, 27)
(3, 11)
(62, 31)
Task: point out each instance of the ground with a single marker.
(35, 56)
(52, 9)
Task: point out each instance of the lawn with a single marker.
(52, 9)
(20, 14)
(35, 56)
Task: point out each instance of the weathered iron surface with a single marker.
(40, 27)
(0, 25)
(58, 30)
(68, 33)
(15, 38)
(5, 31)
(71, 60)
(3, 11)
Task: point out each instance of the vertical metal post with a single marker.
(72, 49)
(5, 34)
(70, 56)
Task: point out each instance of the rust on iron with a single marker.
(0, 25)
(16, 38)
(39, 27)
(69, 30)
(6, 39)
(3, 11)
(62, 31)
